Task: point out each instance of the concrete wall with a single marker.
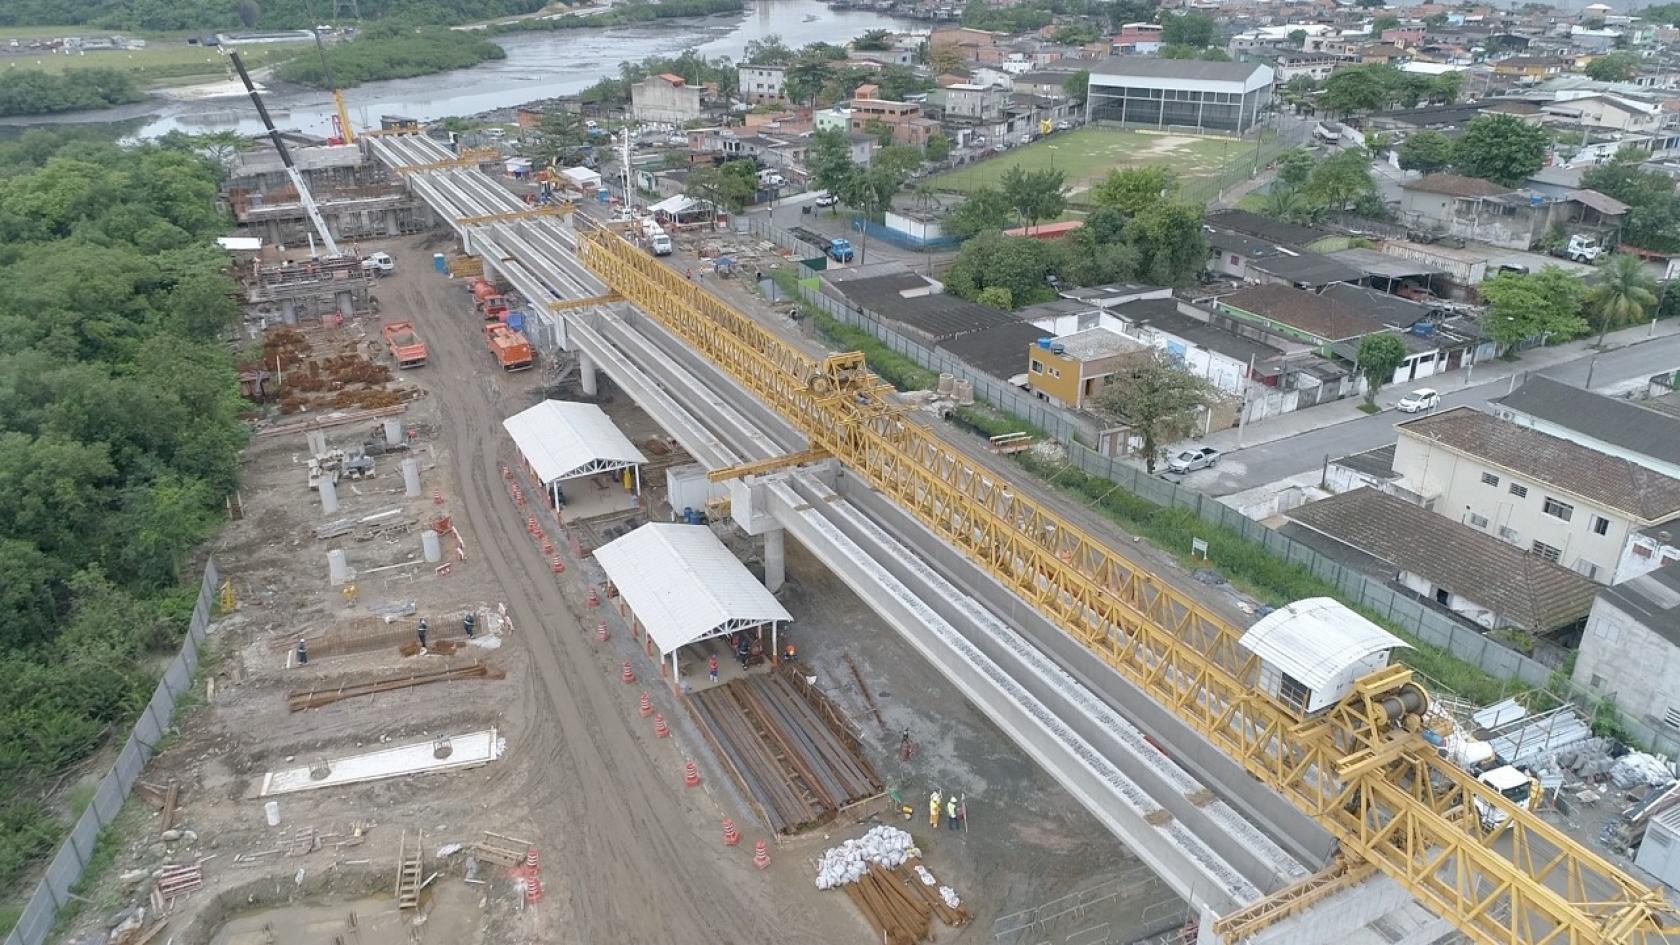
(1457, 603)
(654, 99)
(762, 83)
(1623, 659)
(1454, 480)
(1644, 554)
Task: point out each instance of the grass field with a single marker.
(159, 62)
(1087, 154)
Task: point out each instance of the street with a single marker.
(1242, 469)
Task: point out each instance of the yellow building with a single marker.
(1071, 371)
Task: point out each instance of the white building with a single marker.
(762, 83)
(1566, 502)
(1186, 94)
(1312, 651)
(1606, 111)
(1631, 649)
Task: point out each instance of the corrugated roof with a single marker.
(1524, 590)
(1456, 185)
(1615, 482)
(684, 585)
(1000, 351)
(1315, 639)
(562, 439)
(1150, 67)
(938, 316)
(1609, 420)
(1266, 228)
(1318, 315)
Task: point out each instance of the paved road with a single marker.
(1258, 465)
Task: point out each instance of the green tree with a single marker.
(1035, 195)
(945, 58)
(1615, 67)
(1195, 30)
(870, 190)
(1445, 88)
(804, 79)
(1298, 92)
(1075, 34)
(829, 160)
(898, 159)
(1134, 189)
(1380, 355)
(1426, 152)
(1298, 37)
(1501, 148)
(1157, 398)
(873, 40)
(769, 51)
(1170, 242)
(938, 148)
(1542, 304)
(1017, 263)
(1289, 205)
(1358, 89)
(1341, 181)
(1622, 294)
(1078, 86)
(1295, 167)
(1384, 23)
(984, 209)
(1653, 219)
(996, 296)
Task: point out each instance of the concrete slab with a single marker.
(465, 751)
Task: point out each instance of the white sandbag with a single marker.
(848, 862)
(950, 896)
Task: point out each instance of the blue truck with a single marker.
(839, 250)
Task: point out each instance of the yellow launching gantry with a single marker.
(1361, 768)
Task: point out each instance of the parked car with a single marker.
(1064, 125)
(826, 199)
(1188, 461)
(1424, 398)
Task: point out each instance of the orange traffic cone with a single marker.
(629, 675)
(660, 729)
(761, 856)
(691, 774)
(731, 836)
(647, 704)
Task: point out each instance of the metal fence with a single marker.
(41, 912)
(1403, 608)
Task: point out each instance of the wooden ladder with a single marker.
(408, 872)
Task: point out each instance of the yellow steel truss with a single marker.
(1362, 769)
(466, 158)
(767, 465)
(557, 209)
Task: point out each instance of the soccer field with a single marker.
(1086, 155)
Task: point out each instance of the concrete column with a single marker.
(586, 373)
(317, 443)
(429, 546)
(489, 269)
(329, 496)
(339, 571)
(288, 311)
(273, 228)
(775, 560)
(393, 431)
(392, 226)
(346, 303)
(411, 477)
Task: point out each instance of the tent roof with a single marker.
(672, 205)
(1315, 639)
(684, 585)
(563, 440)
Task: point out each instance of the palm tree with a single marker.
(1623, 293)
(1286, 204)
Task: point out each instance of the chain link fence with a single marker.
(36, 922)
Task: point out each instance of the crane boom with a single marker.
(1362, 769)
(304, 196)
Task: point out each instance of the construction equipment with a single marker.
(509, 346)
(489, 300)
(1358, 765)
(405, 344)
(304, 196)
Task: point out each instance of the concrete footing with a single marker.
(430, 546)
(411, 477)
(317, 443)
(339, 571)
(346, 303)
(329, 495)
(393, 431)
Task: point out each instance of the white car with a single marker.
(1419, 400)
(1064, 125)
(826, 199)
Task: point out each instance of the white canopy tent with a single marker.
(562, 439)
(686, 587)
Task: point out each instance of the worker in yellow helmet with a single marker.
(933, 810)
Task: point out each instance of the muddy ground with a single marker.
(627, 853)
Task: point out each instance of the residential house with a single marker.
(1223, 358)
(967, 41)
(903, 119)
(1136, 39)
(1605, 111)
(762, 83)
(665, 98)
(1566, 502)
(1467, 571)
(1072, 370)
(974, 102)
(1256, 260)
(1486, 212)
(1630, 652)
(1334, 321)
(1530, 69)
(1179, 93)
(914, 305)
(1315, 66)
(1277, 231)
(1046, 82)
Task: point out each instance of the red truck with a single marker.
(406, 346)
(489, 300)
(511, 349)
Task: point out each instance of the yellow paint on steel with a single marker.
(548, 211)
(1378, 786)
(1292, 899)
(767, 465)
(344, 118)
(467, 158)
(567, 305)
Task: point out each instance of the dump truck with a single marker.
(489, 300)
(406, 346)
(509, 346)
(839, 250)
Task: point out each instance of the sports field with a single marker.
(160, 61)
(1086, 155)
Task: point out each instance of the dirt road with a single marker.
(629, 855)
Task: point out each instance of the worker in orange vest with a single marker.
(711, 667)
(790, 654)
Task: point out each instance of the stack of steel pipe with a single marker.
(299, 699)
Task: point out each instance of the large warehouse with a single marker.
(1180, 94)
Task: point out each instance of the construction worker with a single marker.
(468, 623)
(711, 667)
(933, 810)
(951, 811)
(421, 633)
(303, 652)
(790, 654)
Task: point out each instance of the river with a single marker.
(538, 65)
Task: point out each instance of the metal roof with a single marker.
(685, 586)
(1315, 639)
(563, 440)
(1374, 263)
(1152, 68)
(1611, 420)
